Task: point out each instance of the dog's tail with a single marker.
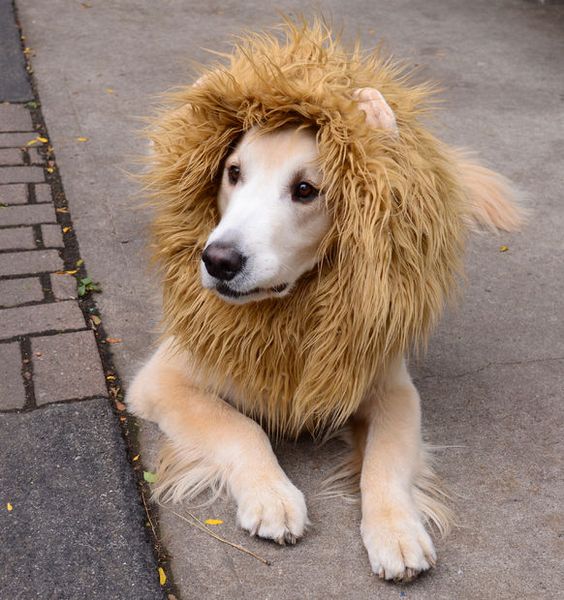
(491, 200)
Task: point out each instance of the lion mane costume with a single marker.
(399, 216)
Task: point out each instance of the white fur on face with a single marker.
(260, 216)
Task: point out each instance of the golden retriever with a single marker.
(236, 269)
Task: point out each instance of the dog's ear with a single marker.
(379, 115)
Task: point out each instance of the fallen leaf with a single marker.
(32, 142)
(82, 139)
(112, 340)
(41, 139)
(109, 91)
(122, 419)
(9, 507)
(38, 353)
(79, 262)
(110, 377)
(136, 457)
(67, 229)
(149, 477)
(50, 169)
(503, 248)
(213, 521)
(62, 210)
(162, 576)
(71, 272)
(120, 405)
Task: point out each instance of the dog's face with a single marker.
(273, 217)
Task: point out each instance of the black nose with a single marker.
(222, 261)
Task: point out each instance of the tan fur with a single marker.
(490, 199)
(400, 204)
(388, 262)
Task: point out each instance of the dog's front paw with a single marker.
(398, 545)
(274, 510)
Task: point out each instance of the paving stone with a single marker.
(15, 117)
(20, 291)
(43, 192)
(57, 316)
(15, 140)
(12, 391)
(35, 157)
(67, 367)
(77, 528)
(52, 236)
(14, 193)
(21, 174)
(11, 156)
(17, 238)
(64, 287)
(27, 215)
(24, 263)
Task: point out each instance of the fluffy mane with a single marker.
(386, 266)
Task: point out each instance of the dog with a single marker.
(303, 250)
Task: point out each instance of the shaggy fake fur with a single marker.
(398, 207)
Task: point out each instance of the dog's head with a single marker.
(266, 170)
(273, 216)
(273, 211)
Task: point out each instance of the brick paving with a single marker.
(72, 523)
(48, 349)
(13, 194)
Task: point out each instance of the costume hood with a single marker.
(386, 266)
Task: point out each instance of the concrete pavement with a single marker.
(492, 380)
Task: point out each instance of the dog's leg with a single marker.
(398, 545)
(220, 444)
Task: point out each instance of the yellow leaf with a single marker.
(82, 139)
(43, 140)
(9, 507)
(79, 262)
(136, 457)
(31, 142)
(503, 248)
(109, 377)
(71, 272)
(50, 169)
(109, 91)
(67, 229)
(162, 576)
(213, 521)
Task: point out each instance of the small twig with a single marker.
(149, 516)
(197, 523)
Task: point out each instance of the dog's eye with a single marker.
(304, 192)
(233, 173)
